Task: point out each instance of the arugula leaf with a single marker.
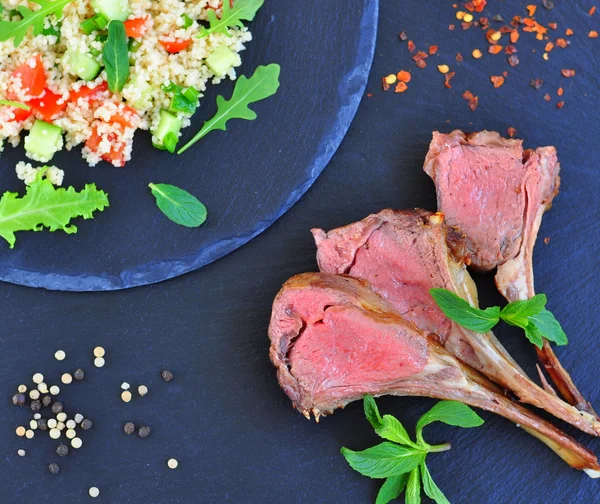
(44, 206)
(115, 55)
(179, 205)
(517, 313)
(262, 84)
(242, 10)
(549, 327)
(391, 488)
(459, 310)
(451, 413)
(15, 104)
(431, 489)
(383, 460)
(18, 29)
(413, 487)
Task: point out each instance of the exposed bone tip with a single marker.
(436, 218)
(592, 473)
(306, 413)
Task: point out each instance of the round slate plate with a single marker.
(247, 176)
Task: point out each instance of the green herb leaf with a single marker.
(242, 10)
(179, 205)
(115, 55)
(372, 411)
(534, 335)
(451, 413)
(44, 206)
(170, 142)
(459, 310)
(392, 430)
(187, 21)
(391, 488)
(413, 487)
(431, 489)
(18, 29)
(549, 327)
(383, 460)
(15, 104)
(261, 85)
(517, 313)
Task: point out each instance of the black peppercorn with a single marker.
(46, 401)
(36, 405)
(54, 468)
(129, 428)
(166, 375)
(42, 424)
(144, 431)
(57, 407)
(86, 424)
(19, 399)
(62, 450)
(79, 374)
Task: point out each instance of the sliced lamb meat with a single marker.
(496, 194)
(334, 340)
(403, 254)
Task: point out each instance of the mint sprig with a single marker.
(530, 315)
(400, 460)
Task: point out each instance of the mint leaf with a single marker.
(451, 413)
(517, 313)
(179, 205)
(44, 206)
(549, 327)
(391, 488)
(413, 488)
(534, 336)
(262, 84)
(392, 430)
(242, 10)
(383, 460)
(372, 411)
(18, 29)
(431, 489)
(459, 310)
(115, 55)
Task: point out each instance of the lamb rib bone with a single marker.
(403, 254)
(496, 194)
(334, 340)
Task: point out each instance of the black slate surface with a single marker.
(223, 417)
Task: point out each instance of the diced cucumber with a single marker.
(112, 9)
(43, 141)
(168, 124)
(83, 65)
(221, 60)
(138, 92)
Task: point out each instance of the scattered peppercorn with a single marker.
(62, 450)
(536, 83)
(498, 18)
(66, 378)
(35, 405)
(42, 424)
(166, 375)
(54, 468)
(126, 395)
(172, 463)
(21, 389)
(129, 428)
(76, 443)
(513, 60)
(38, 378)
(19, 399)
(21, 453)
(142, 390)
(94, 492)
(46, 401)
(86, 424)
(57, 407)
(99, 362)
(79, 374)
(20, 431)
(548, 4)
(60, 355)
(144, 431)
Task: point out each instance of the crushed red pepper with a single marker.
(411, 46)
(546, 240)
(451, 27)
(479, 5)
(404, 76)
(400, 87)
(593, 34)
(472, 99)
(433, 49)
(384, 84)
(536, 83)
(497, 80)
(554, 26)
(510, 49)
(560, 104)
(547, 97)
(568, 32)
(592, 10)
(560, 91)
(511, 132)
(495, 49)
(448, 78)
(567, 72)
(531, 10)
(459, 57)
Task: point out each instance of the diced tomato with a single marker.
(20, 114)
(88, 92)
(49, 105)
(121, 119)
(32, 75)
(136, 27)
(116, 156)
(176, 45)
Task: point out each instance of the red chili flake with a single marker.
(465, 26)
(567, 73)
(547, 97)
(411, 46)
(562, 43)
(510, 49)
(403, 36)
(474, 103)
(530, 23)
(467, 95)
(593, 34)
(560, 91)
(470, 6)
(568, 32)
(497, 80)
(488, 36)
(484, 22)
(400, 87)
(495, 49)
(546, 240)
(592, 10)
(511, 132)
(421, 64)
(505, 29)
(384, 84)
(420, 56)
(433, 49)
(479, 5)
(455, 6)
(536, 83)
(554, 26)
(404, 76)
(513, 60)
(369, 95)
(459, 57)
(514, 36)
(451, 27)
(560, 104)
(531, 10)
(448, 77)
(516, 21)
(505, 73)
(549, 46)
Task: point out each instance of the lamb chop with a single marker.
(334, 340)
(496, 194)
(403, 254)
